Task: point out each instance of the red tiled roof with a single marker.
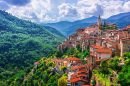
(58, 60)
(82, 66)
(82, 75)
(54, 60)
(101, 60)
(93, 46)
(82, 71)
(128, 27)
(85, 80)
(77, 79)
(36, 63)
(74, 67)
(64, 59)
(98, 60)
(74, 58)
(87, 85)
(104, 50)
(78, 67)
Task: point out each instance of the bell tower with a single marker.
(99, 23)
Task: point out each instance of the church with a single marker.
(100, 24)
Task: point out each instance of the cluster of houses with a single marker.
(102, 44)
(79, 73)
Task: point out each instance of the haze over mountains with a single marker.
(67, 28)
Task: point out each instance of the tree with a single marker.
(86, 53)
(63, 68)
(104, 67)
(50, 63)
(104, 63)
(51, 80)
(58, 53)
(79, 48)
(62, 81)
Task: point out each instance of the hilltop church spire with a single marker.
(99, 16)
(99, 23)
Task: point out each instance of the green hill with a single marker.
(54, 31)
(23, 42)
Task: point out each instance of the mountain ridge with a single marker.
(63, 25)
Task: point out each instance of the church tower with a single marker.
(99, 23)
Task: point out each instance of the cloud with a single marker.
(18, 2)
(126, 6)
(4, 6)
(87, 2)
(67, 10)
(93, 10)
(61, 10)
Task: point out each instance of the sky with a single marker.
(49, 11)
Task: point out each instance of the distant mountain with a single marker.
(71, 26)
(23, 42)
(54, 31)
(59, 25)
(118, 16)
(67, 28)
(123, 21)
(87, 20)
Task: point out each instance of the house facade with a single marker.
(124, 45)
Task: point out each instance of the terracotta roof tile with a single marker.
(84, 75)
(74, 58)
(104, 50)
(77, 79)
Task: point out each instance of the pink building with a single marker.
(103, 53)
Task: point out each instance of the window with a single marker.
(99, 57)
(99, 53)
(76, 83)
(92, 59)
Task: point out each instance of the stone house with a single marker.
(64, 62)
(79, 78)
(36, 64)
(57, 63)
(78, 82)
(124, 45)
(123, 34)
(103, 53)
(93, 48)
(74, 61)
(91, 59)
(76, 43)
(66, 44)
(95, 30)
(128, 28)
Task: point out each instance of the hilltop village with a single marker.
(103, 41)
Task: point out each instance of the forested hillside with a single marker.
(23, 42)
(54, 31)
